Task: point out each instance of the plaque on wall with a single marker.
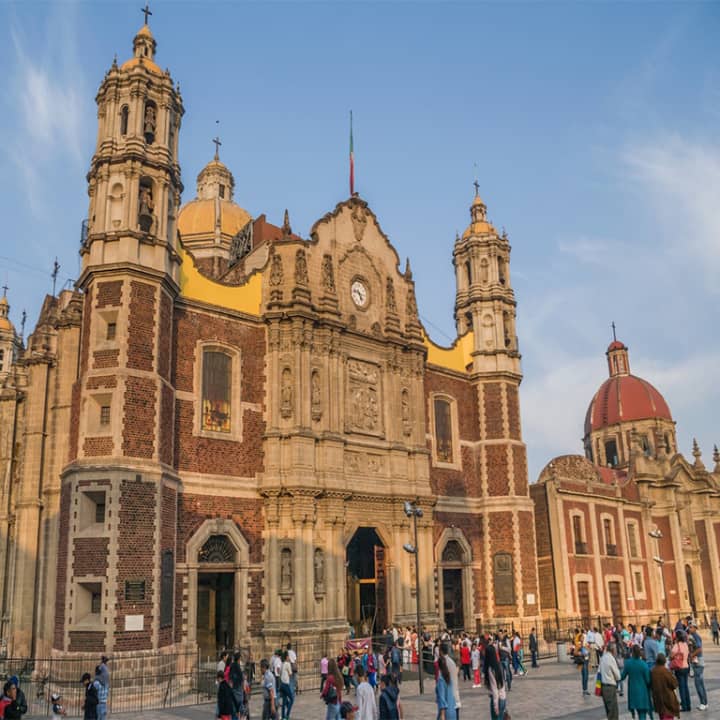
(503, 576)
(134, 591)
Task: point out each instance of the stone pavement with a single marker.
(550, 692)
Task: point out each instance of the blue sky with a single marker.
(593, 126)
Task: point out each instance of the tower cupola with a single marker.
(144, 44)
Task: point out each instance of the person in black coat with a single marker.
(533, 648)
(225, 699)
(9, 704)
(91, 698)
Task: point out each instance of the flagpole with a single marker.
(352, 160)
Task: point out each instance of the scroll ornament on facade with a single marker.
(286, 394)
(315, 396)
(319, 571)
(301, 270)
(328, 277)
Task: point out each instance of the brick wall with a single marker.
(497, 470)
(165, 336)
(90, 556)
(74, 429)
(492, 404)
(109, 294)
(513, 408)
(105, 359)
(670, 571)
(543, 544)
(101, 381)
(98, 446)
(141, 326)
(87, 641)
(527, 560)
(136, 560)
(62, 557)
(520, 470)
(85, 332)
(139, 421)
(501, 537)
(168, 528)
(465, 395)
(705, 565)
(167, 423)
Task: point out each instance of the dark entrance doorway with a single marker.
(366, 582)
(615, 600)
(690, 587)
(215, 612)
(453, 598)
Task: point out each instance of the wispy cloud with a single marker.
(591, 251)
(45, 110)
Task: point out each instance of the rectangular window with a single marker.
(611, 453)
(638, 582)
(443, 431)
(111, 330)
(104, 414)
(92, 507)
(216, 384)
(222, 190)
(96, 601)
(134, 591)
(610, 547)
(100, 508)
(2, 358)
(632, 540)
(580, 544)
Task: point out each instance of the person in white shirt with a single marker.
(609, 677)
(292, 659)
(222, 662)
(453, 670)
(365, 697)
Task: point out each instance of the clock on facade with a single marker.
(359, 293)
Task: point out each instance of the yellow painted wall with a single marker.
(456, 357)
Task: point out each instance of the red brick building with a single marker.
(632, 529)
(234, 415)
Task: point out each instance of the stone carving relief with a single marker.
(411, 303)
(301, 269)
(390, 302)
(286, 394)
(286, 571)
(359, 221)
(484, 271)
(366, 463)
(319, 571)
(328, 276)
(405, 411)
(146, 207)
(315, 396)
(149, 123)
(276, 271)
(488, 331)
(363, 398)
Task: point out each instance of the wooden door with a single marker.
(583, 591)
(615, 600)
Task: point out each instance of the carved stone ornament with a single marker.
(328, 276)
(405, 411)
(411, 303)
(276, 271)
(286, 570)
(318, 571)
(286, 394)
(301, 270)
(146, 206)
(363, 398)
(390, 302)
(315, 396)
(359, 221)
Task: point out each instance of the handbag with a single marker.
(598, 685)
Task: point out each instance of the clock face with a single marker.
(359, 293)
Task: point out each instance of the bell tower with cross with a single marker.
(130, 278)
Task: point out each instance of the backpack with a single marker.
(329, 693)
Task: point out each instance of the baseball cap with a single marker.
(55, 697)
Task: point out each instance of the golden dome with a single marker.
(5, 323)
(198, 217)
(145, 31)
(141, 62)
(478, 228)
(477, 201)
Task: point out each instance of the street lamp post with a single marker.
(657, 535)
(415, 512)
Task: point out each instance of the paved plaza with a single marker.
(552, 691)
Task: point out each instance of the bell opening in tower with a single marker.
(366, 583)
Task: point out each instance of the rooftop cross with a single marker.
(613, 329)
(217, 142)
(5, 288)
(477, 188)
(146, 10)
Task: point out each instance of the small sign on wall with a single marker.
(530, 599)
(134, 623)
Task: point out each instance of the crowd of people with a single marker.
(656, 662)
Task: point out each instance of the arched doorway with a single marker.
(452, 581)
(690, 588)
(217, 566)
(366, 565)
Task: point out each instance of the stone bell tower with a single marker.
(118, 513)
(485, 301)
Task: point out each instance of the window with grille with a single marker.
(104, 414)
(111, 331)
(166, 588)
(638, 582)
(216, 388)
(443, 431)
(632, 540)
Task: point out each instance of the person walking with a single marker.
(495, 683)
(444, 697)
(269, 711)
(715, 629)
(91, 697)
(225, 698)
(292, 657)
(332, 691)
(679, 654)
(465, 659)
(323, 671)
(533, 645)
(287, 694)
(698, 665)
(638, 683)
(475, 663)
(9, 708)
(664, 684)
(102, 691)
(453, 670)
(582, 658)
(389, 704)
(609, 677)
(365, 697)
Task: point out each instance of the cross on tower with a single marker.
(146, 10)
(613, 329)
(5, 288)
(217, 142)
(477, 188)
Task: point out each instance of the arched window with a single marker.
(216, 391)
(501, 271)
(443, 431)
(453, 552)
(124, 115)
(611, 453)
(217, 549)
(468, 272)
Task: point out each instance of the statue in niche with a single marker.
(276, 271)
(146, 205)
(149, 123)
(315, 396)
(319, 570)
(301, 270)
(286, 394)
(484, 271)
(405, 411)
(286, 570)
(390, 296)
(411, 303)
(328, 277)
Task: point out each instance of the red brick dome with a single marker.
(624, 398)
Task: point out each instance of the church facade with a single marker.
(632, 528)
(209, 441)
